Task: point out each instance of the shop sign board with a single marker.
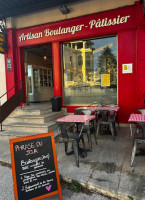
(34, 167)
(86, 26)
(127, 68)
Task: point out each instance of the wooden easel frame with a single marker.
(50, 134)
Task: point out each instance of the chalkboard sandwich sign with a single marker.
(34, 167)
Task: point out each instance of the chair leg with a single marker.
(76, 152)
(114, 127)
(84, 146)
(66, 147)
(95, 136)
(89, 137)
(98, 127)
(112, 131)
(133, 152)
(118, 122)
(95, 131)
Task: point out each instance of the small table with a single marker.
(86, 108)
(84, 119)
(103, 108)
(96, 108)
(137, 118)
(108, 108)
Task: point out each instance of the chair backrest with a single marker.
(137, 124)
(79, 111)
(63, 129)
(140, 111)
(112, 105)
(139, 129)
(104, 115)
(87, 112)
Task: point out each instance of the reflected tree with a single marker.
(107, 63)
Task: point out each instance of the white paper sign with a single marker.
(127, 68)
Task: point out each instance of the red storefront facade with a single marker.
(127, 23)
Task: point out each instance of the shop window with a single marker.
(93, 74)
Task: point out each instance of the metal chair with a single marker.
(138, 135)
(114, 114)
(68, 135)
(105, 121)
(91, 127)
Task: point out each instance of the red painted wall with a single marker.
(11, 76)
(56, 69)
(140, 55)
(127, 83)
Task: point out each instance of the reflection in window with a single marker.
(93, 75)
(80, 61)
(88, 61)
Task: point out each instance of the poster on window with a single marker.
(127, 68)
(105, 80)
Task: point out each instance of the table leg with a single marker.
(84, 152)
(89, 136)
(95, 130)
(112, 130)
(76, 152)
(133, 152)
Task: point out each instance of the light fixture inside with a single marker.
(64, 9)
(44, 54)
(44, 57)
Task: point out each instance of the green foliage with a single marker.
(76, 186)
(131, 198)
(107, 63)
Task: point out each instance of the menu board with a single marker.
(34, 167)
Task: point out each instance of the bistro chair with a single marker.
(68, 134)
(105, 121)
(91, 127)
(114, 114)
(138, 135)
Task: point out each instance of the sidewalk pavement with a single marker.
(106, 169)
(6, 188)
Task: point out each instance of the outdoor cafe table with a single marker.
(103, 108)
(137, 118)
(83, 119)
(96, 108)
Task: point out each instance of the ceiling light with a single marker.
(64, 9)
(44, 57)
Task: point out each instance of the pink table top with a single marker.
(137, 118)
(109, 108)
(76, 118)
